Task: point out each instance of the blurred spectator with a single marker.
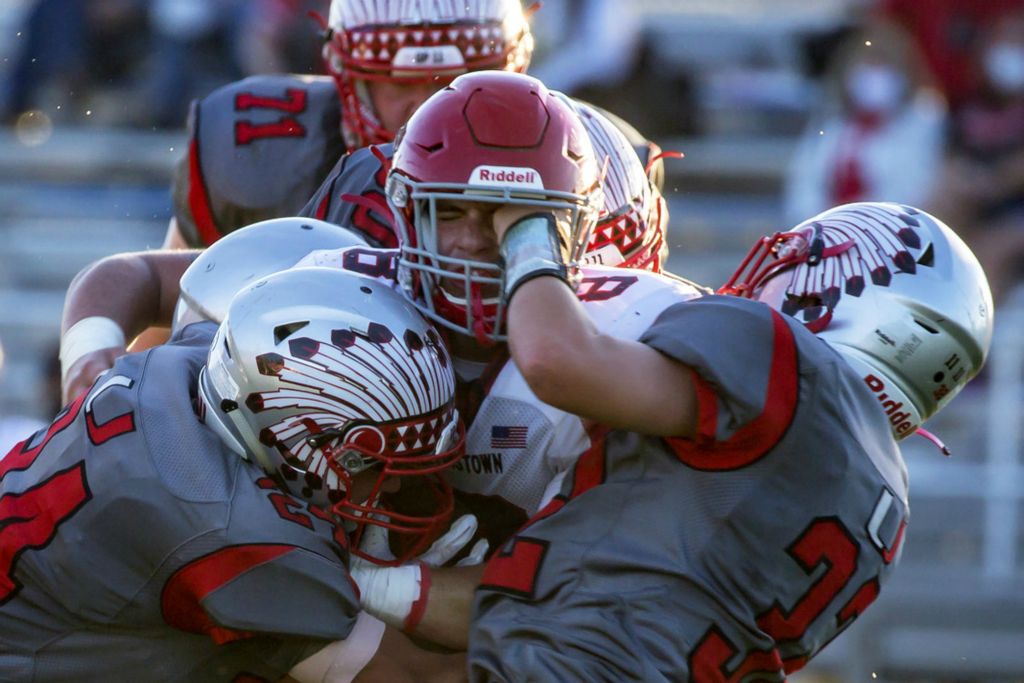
(597, 50)
(192, 53)
(279, 36)
(982, 187)
(68, 48)
(947, 32)
(878, 135)
(587, 42)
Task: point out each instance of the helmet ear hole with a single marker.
(282, 332)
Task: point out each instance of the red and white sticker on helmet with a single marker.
(506, 176)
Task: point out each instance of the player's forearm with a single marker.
(449, 606)
(135, 290)
(571, 365)
(431, 604)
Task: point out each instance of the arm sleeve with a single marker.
(744, 359)
(277, 568)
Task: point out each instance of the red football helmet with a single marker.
(413, 42)
(492, 137)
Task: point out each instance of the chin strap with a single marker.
(921, 431)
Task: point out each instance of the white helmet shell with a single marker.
(318, 373)
(896, 292)
(249, 254)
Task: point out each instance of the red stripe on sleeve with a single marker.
(321, 208)
(760, 435)
(181, 601)
(198, 200)
(707, 410)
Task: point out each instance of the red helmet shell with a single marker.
(488, 128)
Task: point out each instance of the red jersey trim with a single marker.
(756, 438)
(198, 199)
(321, 208)
(514, 569)
(183, 594)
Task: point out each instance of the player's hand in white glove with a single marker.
(398, 595)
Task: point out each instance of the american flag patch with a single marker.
(508, 437)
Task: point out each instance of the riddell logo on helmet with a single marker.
(900, 420)
(506, 175)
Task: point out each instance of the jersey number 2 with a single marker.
(825, 542)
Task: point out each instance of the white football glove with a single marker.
(398, 595)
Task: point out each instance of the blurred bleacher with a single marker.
(955, 610)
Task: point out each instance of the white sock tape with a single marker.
(88, 335)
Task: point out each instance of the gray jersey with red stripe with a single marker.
(352, 195)
(258, 149)
(733, 556)
(135, 546)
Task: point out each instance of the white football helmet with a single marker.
(891, 288)
(319, 374)
(244, 256)
(416, 42)
(630, 230)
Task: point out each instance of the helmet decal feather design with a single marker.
(320, 375)
(891, 288)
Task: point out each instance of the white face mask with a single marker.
(875, 88)
(1004, 66)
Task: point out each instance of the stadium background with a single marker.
(85, 169)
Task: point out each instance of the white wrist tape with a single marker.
(88, 335)
(530, 248)
(395, 595)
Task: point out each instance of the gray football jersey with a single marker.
(352, 195)
(258, 149)
(734, 556)
(134, 546)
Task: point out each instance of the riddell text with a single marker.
(900, 420)
(527, 177)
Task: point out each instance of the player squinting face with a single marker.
(465, 230)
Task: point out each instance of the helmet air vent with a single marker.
(282, 332)
(928, 257)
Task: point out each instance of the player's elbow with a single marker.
(551, 367)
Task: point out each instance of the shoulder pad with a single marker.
(353, 195)
(625, 302)
(256, 251)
